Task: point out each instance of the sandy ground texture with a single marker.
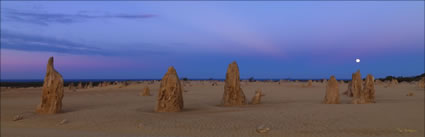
(287, 109)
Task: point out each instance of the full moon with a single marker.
(357, 60)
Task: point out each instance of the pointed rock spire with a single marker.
(53, 91)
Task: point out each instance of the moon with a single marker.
(357, 60)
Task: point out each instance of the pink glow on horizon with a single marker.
(13, 61)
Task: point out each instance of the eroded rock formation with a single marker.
(170, 96)
(146, 91)
(90, 85)
(349, 91)
(332, 92)
(393, 83)
(421, 83)
(256, 99)
(341, 82)
(324, 81)
(378, 82)
(80, 86)
(53, 91)
(71, 87)
(123, 84)
(369, 89)
(309, 83)
(233, 94)
(356, 88)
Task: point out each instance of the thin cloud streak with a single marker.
(25, 42)
(46, 18)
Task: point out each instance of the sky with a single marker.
(272, 39)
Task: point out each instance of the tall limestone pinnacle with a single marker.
(233, 94)
(170, 95)
(365, 95)
(332, 92)
(53, 91)
(356, 87)
(369, 89)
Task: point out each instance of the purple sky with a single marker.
(280, 39)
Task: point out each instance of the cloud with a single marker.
(25, 42)
(47, 18)
(17, 41)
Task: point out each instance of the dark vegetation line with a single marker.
(23, 84)
(404, 79)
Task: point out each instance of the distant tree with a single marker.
(420, 76)
(185, 79)
(210, 79)
(251, 79)
(389, 78)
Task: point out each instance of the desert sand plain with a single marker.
(288, 109)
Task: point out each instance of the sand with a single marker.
(288, 109)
